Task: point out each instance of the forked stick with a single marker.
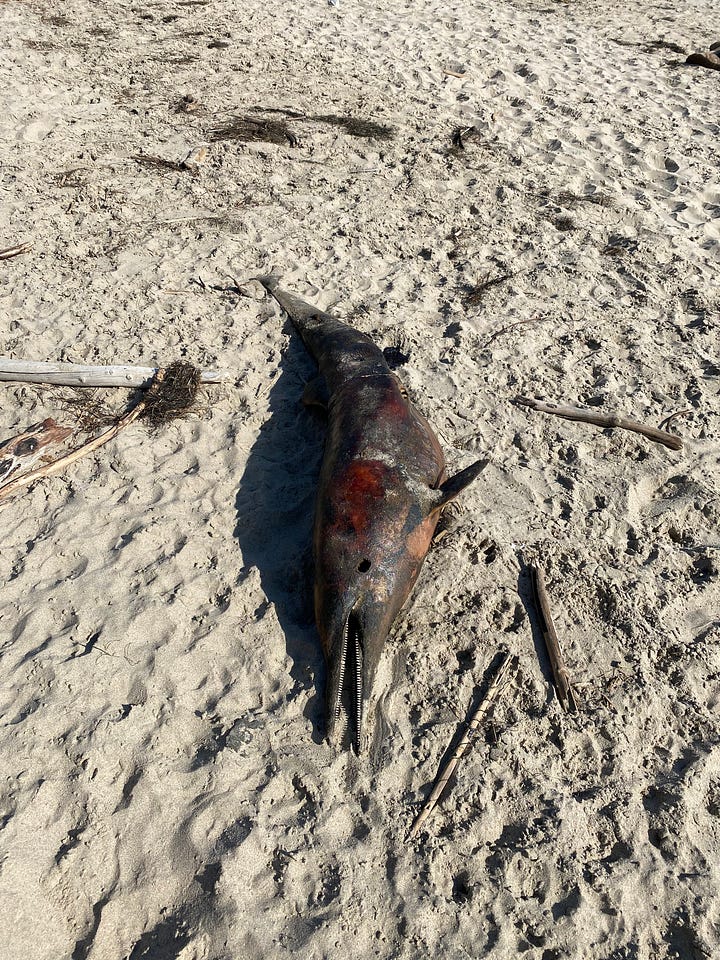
(563, 684)
(604, 420)
(57, 466)
(508, 663)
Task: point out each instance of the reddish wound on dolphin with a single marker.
(364, 484)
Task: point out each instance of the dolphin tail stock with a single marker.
(304, 316)
(338, 348)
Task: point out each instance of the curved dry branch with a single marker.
(603, 420)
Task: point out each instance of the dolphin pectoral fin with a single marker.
(316, 393)
(448, 490)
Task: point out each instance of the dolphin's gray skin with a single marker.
(382, 487)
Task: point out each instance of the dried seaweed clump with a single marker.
(249, 130)
(569, 199)
(475, 294)
(355, 127)
(169, 397)
(174, 395)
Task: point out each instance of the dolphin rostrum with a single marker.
(382, 487)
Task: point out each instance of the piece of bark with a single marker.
(26, 448)
(508, 663)
(57, 466)
(561, 676)
(603, 420)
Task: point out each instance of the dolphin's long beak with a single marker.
(345, 686)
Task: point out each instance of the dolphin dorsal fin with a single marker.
(448, 490)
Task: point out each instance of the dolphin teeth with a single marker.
(348, 703)
(343, 659)
(358, 691)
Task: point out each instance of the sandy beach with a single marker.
(523, 198)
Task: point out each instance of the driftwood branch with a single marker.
(15, 251)
(79, 375)
(59, 465)
(603, 420)
(507, 665)
(561, 676)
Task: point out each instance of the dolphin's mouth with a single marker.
(349, 694)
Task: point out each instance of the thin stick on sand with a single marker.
(604, 420)
(15, 251)
(507, 665)
(561, 676)
(57, 466)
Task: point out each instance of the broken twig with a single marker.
(563, 684)
(513, 326)
(508, 664)
(15, 251)
(604, 420)
(665, 424)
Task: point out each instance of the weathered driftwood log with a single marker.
(79, 375)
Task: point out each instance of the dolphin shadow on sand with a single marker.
(274, 509)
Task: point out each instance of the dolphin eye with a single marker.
(364, 566)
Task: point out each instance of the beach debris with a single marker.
(252, 130)
(194, 158)
(356, 126)
(453, 73)
(188, 104)
(569, 199)
(461, 135)
(561, 676)
(15, 251)
(512, 326)
(22, 451)
(665, 424)
(611, 420)
(157, 163)
(501, 678)
(353, 126)
(81, 375)
(709, 58)
(477, 291)
(171, 394)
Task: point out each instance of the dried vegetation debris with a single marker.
(250, 129)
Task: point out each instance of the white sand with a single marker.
(165, 789)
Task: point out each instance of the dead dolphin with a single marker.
(382, 487)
